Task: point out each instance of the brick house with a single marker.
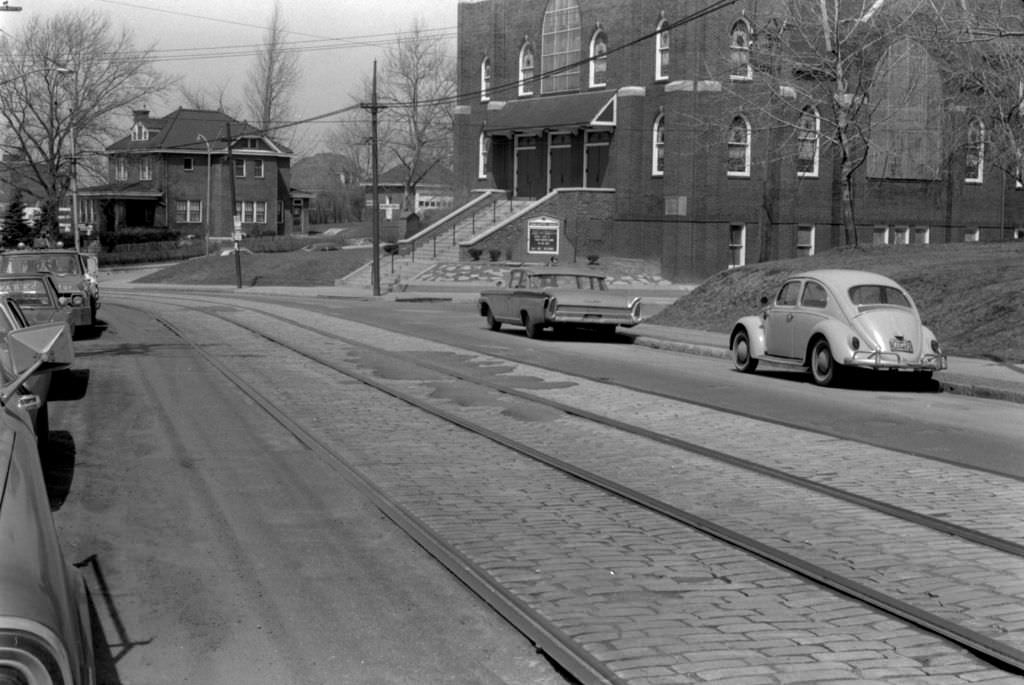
(172, 172)
(599, 94)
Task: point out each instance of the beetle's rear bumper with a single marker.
(894, 361)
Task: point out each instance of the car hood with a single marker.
(592, 298)
(879, 325)
(32, 571)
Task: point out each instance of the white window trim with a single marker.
(658, 146)
(121, 169)
(485, 79)
(239, 163)
(880, 235)
(481, 164)
(733, 48)
(145, 169)
(739, 248)
(901, 235)
(980, 176)
(972, 235)
(816, 132)
(745, 173)
(662, 45)
(188, 164)
(594, 83)
(258, 168)
(811, 232)
(193, 211)
(526, 81)
(921, 235)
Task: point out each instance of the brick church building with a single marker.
(706, 159)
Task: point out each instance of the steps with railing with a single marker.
(438, 243)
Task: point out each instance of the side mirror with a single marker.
(500, 284)
(764, 300)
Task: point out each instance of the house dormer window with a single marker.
(139, 132)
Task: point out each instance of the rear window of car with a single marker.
(878, 296)
(28, 292)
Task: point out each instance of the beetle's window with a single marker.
(788, 294)
(878, 295)
(814, 296)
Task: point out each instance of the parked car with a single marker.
(37, 386)
(833, 320)
(557, 297)
(74, 274)
(45, 624)
(37, 297)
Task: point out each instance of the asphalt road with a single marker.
(218, 549)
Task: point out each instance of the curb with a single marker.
(952, 385)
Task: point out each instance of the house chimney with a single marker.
(140, 114)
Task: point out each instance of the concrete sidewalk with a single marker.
(965, 376)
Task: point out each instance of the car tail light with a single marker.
(552, 305)
(935, 347)
(30, 659)
(77, 300)
(855, 343)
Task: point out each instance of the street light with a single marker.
(207, 217)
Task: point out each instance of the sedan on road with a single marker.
(557, 297)
(833, 320)
(45, 627)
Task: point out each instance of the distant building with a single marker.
(432, 195)
(172, 172)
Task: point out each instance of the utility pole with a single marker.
(374, 108)
(237, 223)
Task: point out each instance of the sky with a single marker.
(211, 45)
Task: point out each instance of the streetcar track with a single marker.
(887, 508)
(994, 649)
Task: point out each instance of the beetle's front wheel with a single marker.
(824, 369)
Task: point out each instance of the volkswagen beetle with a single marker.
(833, 320)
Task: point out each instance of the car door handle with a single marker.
(789, 317)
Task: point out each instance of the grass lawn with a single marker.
(970, 294)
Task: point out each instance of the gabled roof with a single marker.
(180, 131)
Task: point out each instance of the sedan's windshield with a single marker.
(57, 264)
(878, 296)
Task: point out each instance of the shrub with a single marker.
(474, 253)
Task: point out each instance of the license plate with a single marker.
(901, 345)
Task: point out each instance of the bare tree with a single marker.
(845, 75)
(416, 90)
(275, 76)
(418, 85)
(64, 81)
